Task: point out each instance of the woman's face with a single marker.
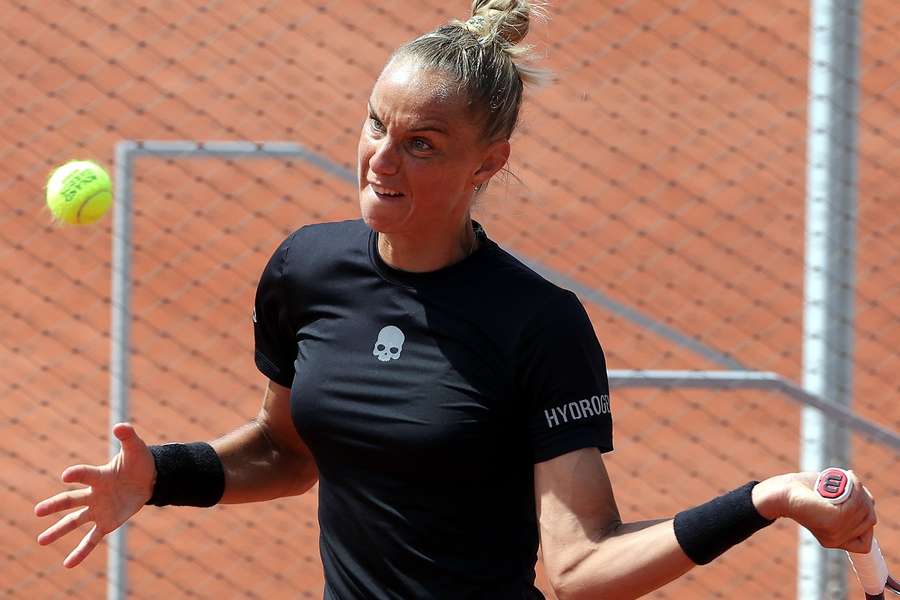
(420, 153)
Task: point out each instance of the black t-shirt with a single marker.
(426, 399)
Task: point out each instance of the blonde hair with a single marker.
(485, 59)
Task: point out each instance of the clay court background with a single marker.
(663, 172)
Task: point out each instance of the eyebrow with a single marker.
(425, 127)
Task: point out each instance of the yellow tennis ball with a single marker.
(79, 192)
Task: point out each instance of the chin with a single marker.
(381, 225)
(383, 219)
(374, 223)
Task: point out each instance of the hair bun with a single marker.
(506, 19)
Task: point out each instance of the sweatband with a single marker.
(707, 531)
(187, 475)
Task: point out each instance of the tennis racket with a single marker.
(835, 485)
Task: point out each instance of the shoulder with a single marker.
(319, 243)
(313, 253)
(533, 293)
(331, 228)
(517, 305)
(325, 235)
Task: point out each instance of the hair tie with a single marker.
(475, 24)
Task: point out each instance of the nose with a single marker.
(385, 158)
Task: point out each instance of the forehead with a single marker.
(409, 92)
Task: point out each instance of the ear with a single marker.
(495, 157)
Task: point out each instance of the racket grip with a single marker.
(835, 485)
(871, 569)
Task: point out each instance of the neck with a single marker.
(420, 254)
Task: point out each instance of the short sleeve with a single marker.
(273, 332)
(563, 379)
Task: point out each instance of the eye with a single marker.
(375, 124)
(421, 145)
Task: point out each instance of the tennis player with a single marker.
(452, 404)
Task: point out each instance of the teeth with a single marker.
(386, 191)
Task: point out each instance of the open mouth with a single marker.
(385, 193)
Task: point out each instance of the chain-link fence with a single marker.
(661, 176)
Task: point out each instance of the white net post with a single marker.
(829, 270)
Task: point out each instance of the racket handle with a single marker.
(835, 485)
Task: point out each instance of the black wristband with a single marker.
(707, 531)
(187, 475)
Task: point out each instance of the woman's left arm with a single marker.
(589, 552)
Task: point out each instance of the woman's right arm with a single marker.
(266, 458)
(590, 553)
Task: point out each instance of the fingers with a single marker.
(852, 527)
(124, 431)
(869, 495)
(84, 474)
(862, 530)
(861, 544)
(62, 501)
(85, 547)
(65, 525)
(861, 505)
(128, 436)
(858, 538)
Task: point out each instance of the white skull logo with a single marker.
(389, 344)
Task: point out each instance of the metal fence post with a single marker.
(120, 323)
(829, 270)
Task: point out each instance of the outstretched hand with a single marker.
(115, 491)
